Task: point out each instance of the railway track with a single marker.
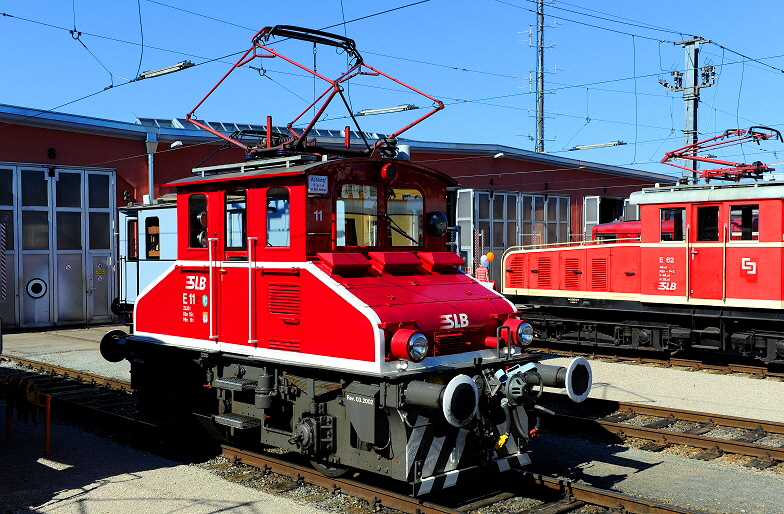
(762, 441)
(100, 396)
(757, 370)
(661, 426)
(561, 495)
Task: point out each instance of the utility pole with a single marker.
(540, 76)
(690, 82)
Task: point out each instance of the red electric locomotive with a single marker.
(314, 307)
(700, 270)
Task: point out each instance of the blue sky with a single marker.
(473, 55)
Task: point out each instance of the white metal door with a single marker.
(35, 278)
(590, 215)
(465, 220)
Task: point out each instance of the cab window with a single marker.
(672, 224)
(405, 210)
(744, 223)
(708, 223)
(357, 215)
(235, 220)
(197, 221)
(278, 217)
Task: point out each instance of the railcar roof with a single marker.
(708, 193)
(289, 166)
(244, 171)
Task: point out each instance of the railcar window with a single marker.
(405, 210)
(235, 220)
(278, 221)
(197, 224)
(708, 223)
(152, 231)
(357, 215)
(744, 223)
(133, 240)
(672, 224)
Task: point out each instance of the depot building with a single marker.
(63, 177)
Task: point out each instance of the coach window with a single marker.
(133, 239)
(197, 221)
(235, 220)
(357, 215)
(744, 223)
(152, 231)
(672, 224)
(404, 207)
(708, 223)
(278, 217)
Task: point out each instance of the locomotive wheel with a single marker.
(329, 471)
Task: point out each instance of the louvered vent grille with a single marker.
(289, 346)
(449, 344)
(543, 277)
(516, 266)
(599, 274)
(284, 299)
(571, 279)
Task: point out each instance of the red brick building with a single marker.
(63, 176)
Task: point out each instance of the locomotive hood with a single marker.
(424, 291)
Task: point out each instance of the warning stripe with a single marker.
(3, 273)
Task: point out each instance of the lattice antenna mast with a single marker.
(540, 71)
(690, 82)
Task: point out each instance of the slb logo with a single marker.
(454, 320)
(197, 282)
(748, 265)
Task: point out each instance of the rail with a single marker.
(375, 496)
(757, 370)
(619, 502)
(698, 436)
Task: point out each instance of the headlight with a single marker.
(522, 332)
(417, 347)
(409, 344)
(525, 334)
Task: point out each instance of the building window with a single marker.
(545, 219)
(152, 231)
(133, 240)
(197, 221)
(673, 222)
(708, 223)
(278, 217)
(744, 223)
(357, 215)
(235, 220)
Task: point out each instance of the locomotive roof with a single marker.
(283, 167)
(709, 193)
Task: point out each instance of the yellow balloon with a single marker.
(490, 256)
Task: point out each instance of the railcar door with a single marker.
(234, 275)
(706, 253)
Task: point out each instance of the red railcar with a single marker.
(705, 273)
(313, 306)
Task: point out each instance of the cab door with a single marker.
(706, 253)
